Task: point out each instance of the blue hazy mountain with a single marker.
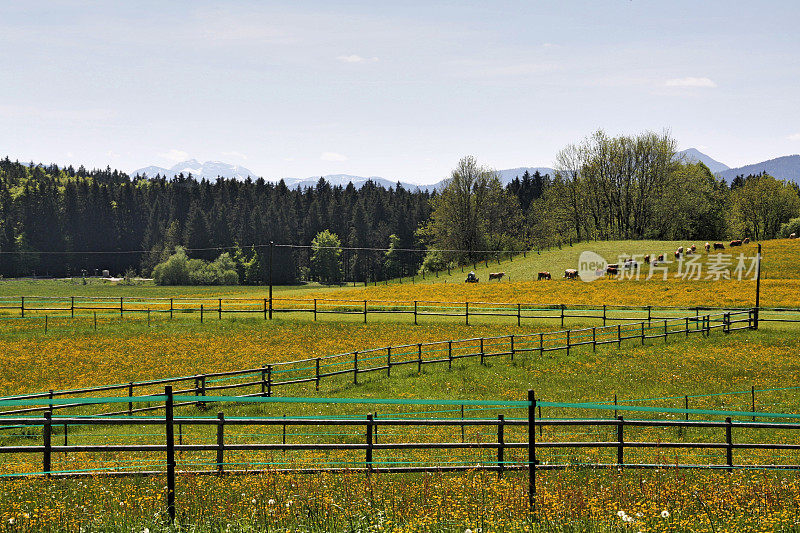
(783, 168)
(693, 155)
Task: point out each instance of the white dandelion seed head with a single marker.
(664, 514)
(271, 501)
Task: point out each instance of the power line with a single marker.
(293, 246)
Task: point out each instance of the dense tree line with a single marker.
(134, 224)
(63, 221)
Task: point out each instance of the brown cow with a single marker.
(689, 251)
(746, 240)
(543, 275)
(793, 236)
(496, 275)
(693, 248)
(647, 259)
(708, 247)
(570, 273)
(660, 257)
(680, 249)
(737, 242)
(719, 246)
(612, 270)
(678, 253)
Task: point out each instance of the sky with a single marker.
(400, 90)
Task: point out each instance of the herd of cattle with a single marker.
(628, 264)
(631, 264)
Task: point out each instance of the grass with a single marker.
(72, 353)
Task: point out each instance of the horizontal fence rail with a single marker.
(266, 380)
(373, 443)
(217, 308)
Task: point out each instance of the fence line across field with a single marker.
(77, 306)
(263, 381)
(370, 444)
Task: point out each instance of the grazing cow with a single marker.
(678, 253)
(543, 275)
(660, 257)
(693, 248)
(680, 249)
(612, 270)
(719, 246)
(737, 242)
(746, 240)
(647, 259)
(793, 236)
(630, 264)
(570, 273)
(471, 278)
(689, 251)
(496, 275)
(708, 247)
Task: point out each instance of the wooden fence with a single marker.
(216, 308)
(265, 380)
(370, 444)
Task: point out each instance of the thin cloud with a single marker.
(175, 155)
(353, 58)
(691, 82)
(794, 137)
(333, 156)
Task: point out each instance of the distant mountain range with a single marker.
(693, 155)
(786, 168)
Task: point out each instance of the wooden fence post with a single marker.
(316, 373)
(130, 395)
(419, 358)
(171, 307)
(519, 314)
(415, 312)
(531, 450)
(22, 306)
(753, 401)
(729, 442)
(220, 442)
(665, 331)
(315, 309)
(541, 344)
(365, 311)
(512, 347)
(265, 308)
(562, 315)
(72, 306)
(620, 441)
(619, 336)
(649, 309)
(47, 432)
(220, 309)
(170, 434)
(201, 313)
(388, 361)
(263, 381)
(355, 368)
(466, 314)
(120, 307)
(269, 380)
(567, 342)
(482, 353)
(449, 355)
(370, 422)
(500, 445)
(642, 333)
(594, 339)
(604, 314)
